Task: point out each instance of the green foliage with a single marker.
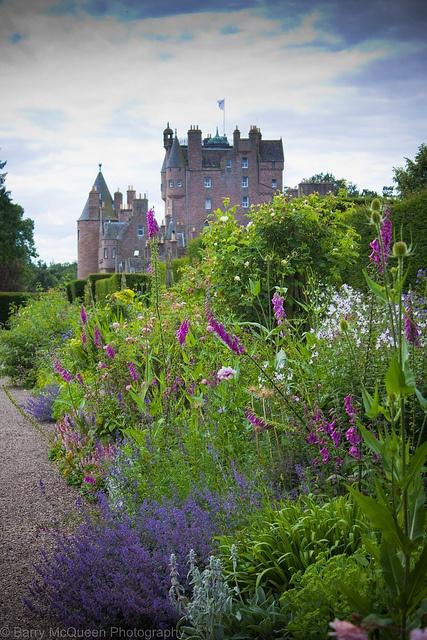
(44, 277)
(177, 266)
(16, 241)
(410, 221)
(35, 330)
(282, 543)
(90, 288)
(139, 282)
(281, 243)
(76, 290)
(324, 591)
(414, 176)
(9, 301)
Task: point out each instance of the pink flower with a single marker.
(279, 312)
(418, 634)
(60, 370)
(344, 630)
(83, 315)
(152, 226)
(226, 373)
(182, 332)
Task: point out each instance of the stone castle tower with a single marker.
(198, 175)
(111, 235)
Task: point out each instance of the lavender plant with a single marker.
(40, 405)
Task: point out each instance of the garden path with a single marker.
(34, 499)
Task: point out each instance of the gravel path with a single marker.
(27, 513)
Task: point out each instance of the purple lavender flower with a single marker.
(83, 337)
(40, 406)
(89, 480)
(258, 423)
(109, 350)
(132, 371)
(232, 342)
(152, 226)
(279, 312)
(412, 333)
(97, 337)
(182, 332)
(83, 315)
(60, 370)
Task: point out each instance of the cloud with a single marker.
(100, 88)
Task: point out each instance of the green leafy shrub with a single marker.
(76, 290)
(324, 592)
(282, 543)
(139, 282)
(35, 330)
(10, 300)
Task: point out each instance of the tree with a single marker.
(16, 241)
(43, 276)
(413, 177)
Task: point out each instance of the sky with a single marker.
(342, 82)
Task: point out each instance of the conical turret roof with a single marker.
(176, 157)
(104, 196)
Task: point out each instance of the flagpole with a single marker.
(223, 119)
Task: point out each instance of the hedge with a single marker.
(176, 266)
(136, 281)
(9, 298)
(76, 289)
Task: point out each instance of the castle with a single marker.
(196, 177)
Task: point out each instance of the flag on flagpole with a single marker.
(221, 104)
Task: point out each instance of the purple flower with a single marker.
(152, 226)
(232, 342)
(97, 337)
(256, 421)
(132, 371)
(89, 480)
(83, 337)
(352, 436)
(354, 452)
(83, 315)
(325, 455)
(412, 333)
(335, 437)
(386, 234)
(109, 350)
(60, 370)
(349, 409)
(279, 312)
(182, 332)
(79, 378)
(226, 373)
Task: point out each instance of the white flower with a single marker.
(237, 278)
(246, 264)
(223, 218)
(226, 373)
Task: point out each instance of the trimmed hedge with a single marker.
(9, 298)
(137, 281)
(176, 266)
(76, 289)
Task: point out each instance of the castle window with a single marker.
(78, 235)
(208, 203)
(245, 202)
(170, 184)
(274, 183)
(208, 182)
(179, 183)
(273, 164)
(140, 231)
(245, 181)
(245, 163)
(228, 164)
(113, 253)
(105, 253)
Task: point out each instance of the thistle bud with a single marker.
(400, 249)
(376, 217)
(343, 325)
(376, 205)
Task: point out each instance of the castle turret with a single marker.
(194, 148)
(99, 203)
(167, 138)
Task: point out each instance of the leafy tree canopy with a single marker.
(16, 241)
(44, 276)
(413, 177)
